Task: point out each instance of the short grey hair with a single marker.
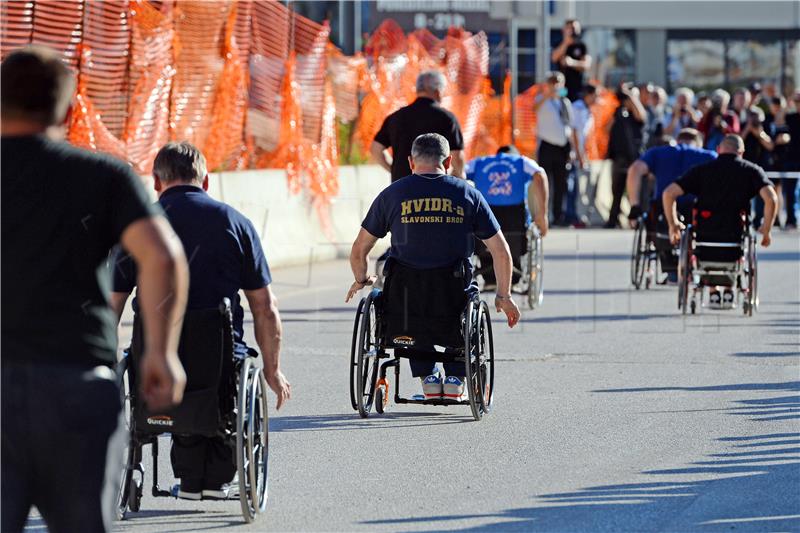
(687, 93)
(732, 143)
(431, 81)
(721, 97)
(430, 148)
(180, 161)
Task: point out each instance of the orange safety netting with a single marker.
(255, 85)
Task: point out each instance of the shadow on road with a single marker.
(345, 422)
(753, 487)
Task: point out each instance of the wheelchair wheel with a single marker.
(367, 358)
(639, 259)
(479, 358)
(124, 492)
(353, 354)
(535, 271)
(751, 277)
(684, 270)
(252, 440)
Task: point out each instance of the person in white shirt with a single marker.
(582, 124)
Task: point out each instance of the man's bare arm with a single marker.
(634, 181)
(540, 197)
(579, 64)
(669, 202)
(458, 164)
(501, 259)
(268, 332)
(379, 155)
(163, 283)
(359, 254)
(770, 198)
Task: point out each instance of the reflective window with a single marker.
(750, 61)
(614, 54)
(696, 63)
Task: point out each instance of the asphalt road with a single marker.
(613, 413)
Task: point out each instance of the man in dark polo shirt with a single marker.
(226, 257)
(423, 115)
(62, 210)
(572, 58)
(724, 188)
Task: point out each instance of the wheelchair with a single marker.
(388, 321)
(226, 394)
(530, 272)
(709, 260)
(650, 246)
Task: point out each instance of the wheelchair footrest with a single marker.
(441, 401)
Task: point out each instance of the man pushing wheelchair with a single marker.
(433, 219)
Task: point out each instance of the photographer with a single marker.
(572, 58)
(625, 144)
(719, 121)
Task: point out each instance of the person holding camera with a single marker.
(572, 58)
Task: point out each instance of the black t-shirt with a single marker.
(224, 250)
(400, 129)
(573, 78)
(62, 210)
(724, 188)
(793, 150)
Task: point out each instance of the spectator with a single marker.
(683, 115)
(757, 143)
(583, 123)
(785, 131)
(719, 121)
(572, 58)
(656, 115)
(703, 105)
(423, 115)
(556, 138)
(63, 208)
(755, 93)
(626, 140)
(741, 104)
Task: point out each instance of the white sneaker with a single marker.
(432, 387)
(178, 492)
(216, 494)
(453, 388)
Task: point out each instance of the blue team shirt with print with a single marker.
(668, 163)
(503, 179)
(433, 220)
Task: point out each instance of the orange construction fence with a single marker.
(254, 85)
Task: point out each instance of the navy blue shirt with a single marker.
(432, 218)
(669, 163)
(221, 245)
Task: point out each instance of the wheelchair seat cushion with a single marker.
(423, 308)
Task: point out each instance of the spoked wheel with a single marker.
(353, 357)
(368, 357)
(252, 440)
(124, 492)
(485, 358)
(751, 273)
(639, 256)
(479, 359)
(684, 271)
(535, 271)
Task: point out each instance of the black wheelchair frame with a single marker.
(246, 427)
(531, 282)
(368, 383)
(644, 257)
(694, 276)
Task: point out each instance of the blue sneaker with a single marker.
(432, 387)
(453, 388)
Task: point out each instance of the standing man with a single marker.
(423, 115)
(583, 123)
(556, 138)
(226, 257)
(572, 58)
(62, 210)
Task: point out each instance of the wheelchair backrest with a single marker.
(206, 353)
(423, 308)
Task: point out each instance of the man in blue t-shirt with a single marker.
(503, 180)
(667, 163)
(225, 256)
(433, 219)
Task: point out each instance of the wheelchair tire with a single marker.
(252, 440)
(751, 272)
(639, 260)
(684, 270)
(478, 358)
(124, 493)
(380, 400)
(134, 495)
(486, 366)
(353, 353)
(367, 360)
(535, 272)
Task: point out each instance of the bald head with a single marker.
(731, 144)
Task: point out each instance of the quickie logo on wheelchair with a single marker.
(162, 420)
(404, 340)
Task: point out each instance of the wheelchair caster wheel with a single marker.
(693, 306)
(135, 495)
(746, 308)
(380, 400)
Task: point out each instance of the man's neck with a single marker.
(20, 128)
(430, 170)
(166, 187)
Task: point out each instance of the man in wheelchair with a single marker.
(226, 257)
(503, 179)
(667, 163)
(433, 219)
(724, 188)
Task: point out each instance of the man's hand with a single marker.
(357, 286)
(162, 380)
(541, 223)
(675, 233)
(633, 216)
(280, 386)
(510, 308)
(766, 238)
